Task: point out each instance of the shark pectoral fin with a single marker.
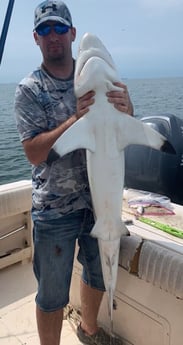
(78, 136)
(129, 131)
(133, 131)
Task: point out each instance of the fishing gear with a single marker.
(5, 27)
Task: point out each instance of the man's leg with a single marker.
(91, 286)
(49, 326)
(88, 332)
(90, 304)
(54, 245)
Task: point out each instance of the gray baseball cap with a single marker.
(52, 10)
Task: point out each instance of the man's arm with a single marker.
(38, 148)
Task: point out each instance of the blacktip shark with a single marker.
(104, 132)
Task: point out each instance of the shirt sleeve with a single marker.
(29, 112)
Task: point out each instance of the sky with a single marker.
(144, 37)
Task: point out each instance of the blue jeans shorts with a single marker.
(54, 247)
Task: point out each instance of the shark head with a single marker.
(91, 46)
(93, 57)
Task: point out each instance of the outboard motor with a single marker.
(155, 171)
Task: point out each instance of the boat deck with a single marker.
(150, 261)
(17, 309)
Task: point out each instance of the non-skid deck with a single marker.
(17, 309)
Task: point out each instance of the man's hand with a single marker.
(83, 103)
(121, 99)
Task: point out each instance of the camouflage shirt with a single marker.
(60, 185)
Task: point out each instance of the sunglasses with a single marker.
(45, 29)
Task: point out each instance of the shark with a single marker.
(105, 132)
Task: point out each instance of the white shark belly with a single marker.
(106, 178)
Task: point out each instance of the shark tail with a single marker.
(109, 253)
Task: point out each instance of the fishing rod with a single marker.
(5, 27)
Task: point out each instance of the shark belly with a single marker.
(106, 185)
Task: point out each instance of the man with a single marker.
(45, 106)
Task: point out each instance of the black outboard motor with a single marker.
(155, 171)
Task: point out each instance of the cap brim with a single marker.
(53, 18)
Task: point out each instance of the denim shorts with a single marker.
(54, 247)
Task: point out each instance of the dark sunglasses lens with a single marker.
(44, 30)
(61, 29)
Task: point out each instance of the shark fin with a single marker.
(109, 254)
(139, 133)
(118, 229)
(78, 136)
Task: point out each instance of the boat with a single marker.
(148, 301)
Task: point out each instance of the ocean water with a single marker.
(149, 96)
